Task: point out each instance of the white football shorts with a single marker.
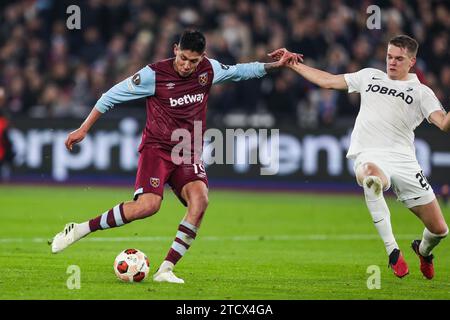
(404, 174)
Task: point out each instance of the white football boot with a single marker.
(65, 238)
(166, 275)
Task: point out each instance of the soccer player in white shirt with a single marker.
(393, 104)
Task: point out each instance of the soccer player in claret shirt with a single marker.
(177, 92)
(393, 104)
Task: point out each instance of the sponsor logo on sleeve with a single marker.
(136, 79)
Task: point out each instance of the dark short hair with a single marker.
(192, 40)
(404, 41)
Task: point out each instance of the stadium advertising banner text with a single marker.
(110, 149)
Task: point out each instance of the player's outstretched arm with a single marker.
(441, 120)
(321, 78)
(250, 70)
(140, 85)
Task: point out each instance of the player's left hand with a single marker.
(74, 137)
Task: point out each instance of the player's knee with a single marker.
(441, 231)
(369, 169)
(150, 208)
(373, 186)
(372, 182)
(199, 201)
(147, 207)
(203, 201)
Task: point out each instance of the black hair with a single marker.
(192, 40)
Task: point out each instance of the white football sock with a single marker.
(166, 266)
(373, 191)
(429, 241)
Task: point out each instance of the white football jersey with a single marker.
(390, 111)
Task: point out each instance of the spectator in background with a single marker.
(445, 191)
(280, 99)
(93, 46)
(40, 56)
(16, 100)
(308, 114)
(6, 151)
(327, 105)
(445, 83)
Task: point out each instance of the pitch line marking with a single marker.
(314, 237)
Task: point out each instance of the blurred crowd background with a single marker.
(49, 71)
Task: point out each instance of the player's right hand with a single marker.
(74, 137)
(286, 56)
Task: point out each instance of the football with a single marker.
(131, 265)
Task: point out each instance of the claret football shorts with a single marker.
(156, 168)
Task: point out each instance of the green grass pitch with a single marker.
(255, 246)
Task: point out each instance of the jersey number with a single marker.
(198, 167)
(422, 180)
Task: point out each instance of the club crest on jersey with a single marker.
(154, 182)
(203, 79)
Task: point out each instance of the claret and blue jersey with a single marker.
(175, 102)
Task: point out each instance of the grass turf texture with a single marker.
(251, 246)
